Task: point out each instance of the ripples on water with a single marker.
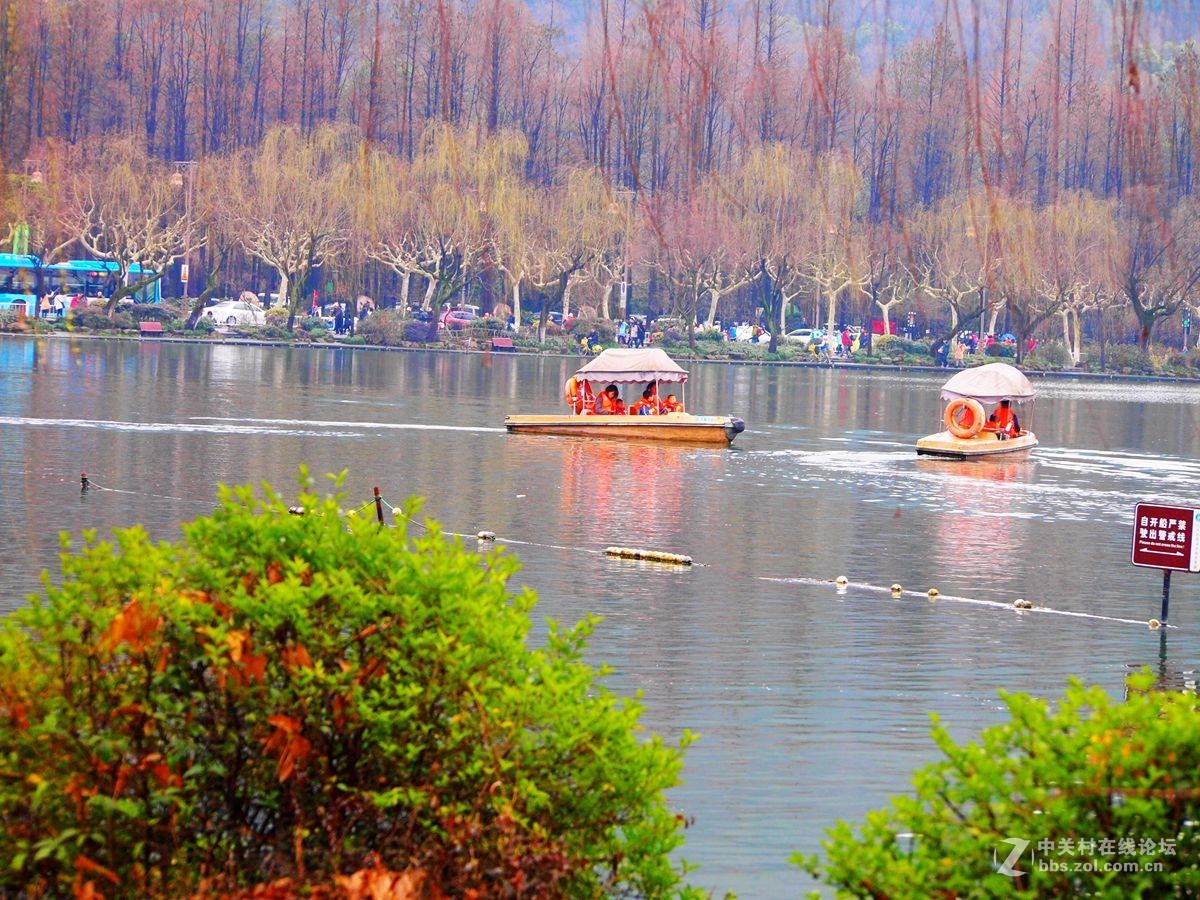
(811, 703)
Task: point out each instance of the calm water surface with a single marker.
(812, 704)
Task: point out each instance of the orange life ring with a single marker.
(970, 424)
(572, 391)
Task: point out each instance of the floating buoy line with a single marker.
(1021, 605)
(841, 582)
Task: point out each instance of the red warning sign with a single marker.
(1163, 537)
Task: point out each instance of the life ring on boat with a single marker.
(970, 424)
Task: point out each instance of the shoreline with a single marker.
(836, 365)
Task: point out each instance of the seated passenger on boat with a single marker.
(646, 406)
(609, 402)
(1003, 422)
(671, 405)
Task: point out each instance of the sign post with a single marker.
(1164, 538)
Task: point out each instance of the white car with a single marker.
(803, 336)
(235, 312)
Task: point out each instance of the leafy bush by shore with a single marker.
(1094, 782)
(297, 697)
(94, 319)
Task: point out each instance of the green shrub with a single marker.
(1050, 356)
(1091, 772)
(266, 332)
(93, 319)
(293, 696)
(1127, 359)
(277, 315)
(11, 322)
(355, 340)
(387, 328)
(150, 312)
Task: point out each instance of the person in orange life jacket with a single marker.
(609, 402)
(645, 406)
(652, 387)
(671, 404)
(1004, 421)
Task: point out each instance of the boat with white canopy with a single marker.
(644, 369)
(971, 430)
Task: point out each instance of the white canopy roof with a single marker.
(621, 366)
(989, 384)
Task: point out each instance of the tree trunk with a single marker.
(516, 302)
(713, 297)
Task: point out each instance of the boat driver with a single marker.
(1003, 421)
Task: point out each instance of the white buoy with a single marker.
(896, 589)
(1022, 603)
(841, 581)
(934, 593)
(1154, 623)
(486, 535)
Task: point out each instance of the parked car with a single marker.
(803, 336)
(235, 312)
(456, 319)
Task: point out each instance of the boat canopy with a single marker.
(989, 384)
(625, 366)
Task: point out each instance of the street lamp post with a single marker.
(183, 177)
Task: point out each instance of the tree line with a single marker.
(745, 161)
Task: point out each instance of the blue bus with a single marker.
(23, 280)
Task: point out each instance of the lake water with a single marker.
(811, 704)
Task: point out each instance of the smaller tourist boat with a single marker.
(973, 432)
(641, 369)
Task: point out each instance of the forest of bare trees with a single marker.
(1030, 165)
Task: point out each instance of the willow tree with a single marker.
(452, 180)
(955, 259)
(287, 200)
(703, 253)
(1157, 258)
(381, 222)
(514, 210)
(837, 263)
(38, 209)
(573, 228)
(773, 192)
(1077, 231)
(127, 211)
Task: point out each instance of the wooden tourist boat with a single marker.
(640, 368)
(969, 432)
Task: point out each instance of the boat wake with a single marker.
(372, 426)
(173, 427)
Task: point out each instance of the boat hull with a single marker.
(681, 428)
(984, 444)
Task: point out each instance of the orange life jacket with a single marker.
(671, 405)
(607, 405)
(1006, 421)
